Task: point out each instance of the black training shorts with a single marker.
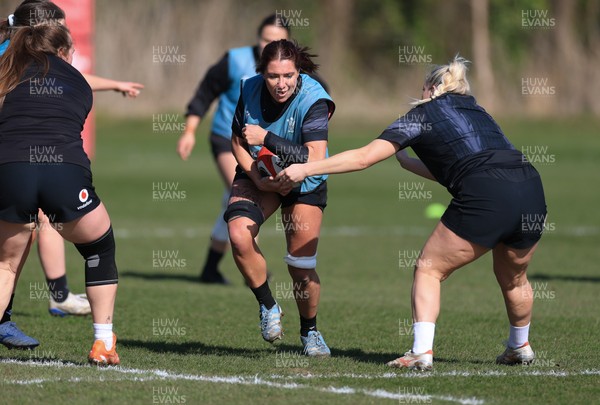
(219, 144)
(63, 191)
(316, 197)
(499, 205)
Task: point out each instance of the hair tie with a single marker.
(11, 20)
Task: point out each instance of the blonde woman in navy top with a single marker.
(498, 203)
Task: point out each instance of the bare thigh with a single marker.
(510, 265)
(445, 252)
(302, 224)
(88, 228)
(14, 244)
(246, 190)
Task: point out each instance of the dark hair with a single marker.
(30, 13)
(276, 20)
(30, 45)
(287, 50)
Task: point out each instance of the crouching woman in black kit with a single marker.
(44, 102)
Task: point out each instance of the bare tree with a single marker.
(484, 74)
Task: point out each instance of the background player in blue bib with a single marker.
(223, 81)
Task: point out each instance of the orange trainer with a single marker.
(99, 356)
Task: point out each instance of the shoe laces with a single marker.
(264, 316)
(316, 339)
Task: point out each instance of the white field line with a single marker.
(433, 374)
(132, 374)
(339, 231)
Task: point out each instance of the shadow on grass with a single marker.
(184, 348)
(161, 276)
(582, 279)
(199, 348)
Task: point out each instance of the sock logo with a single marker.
(83, 195)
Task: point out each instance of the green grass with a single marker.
(365, 292)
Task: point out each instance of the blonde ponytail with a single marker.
(450, 78)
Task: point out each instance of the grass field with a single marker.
(182, 342)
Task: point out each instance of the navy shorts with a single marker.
(499, 206)
(63, 191)
(219, 144)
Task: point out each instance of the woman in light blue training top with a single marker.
(223, 81)
(286, 111)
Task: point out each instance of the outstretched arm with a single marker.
(98, 83)
(344, 162)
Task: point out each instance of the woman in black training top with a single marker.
(44, 102)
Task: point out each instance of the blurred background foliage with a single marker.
(358, 45)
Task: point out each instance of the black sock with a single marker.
(263, 295)
(58, 288)
(307, 325)
(8, 310)
(211, 266)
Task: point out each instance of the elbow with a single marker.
(363, 162)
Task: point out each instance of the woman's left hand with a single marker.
(254, 134)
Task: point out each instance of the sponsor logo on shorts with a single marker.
(84, 197)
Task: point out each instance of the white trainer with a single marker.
(75, 304)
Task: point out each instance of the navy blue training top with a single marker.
(453, 137)
(42, 118)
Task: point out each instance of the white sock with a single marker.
(103, 331)
(424, 332)
(518, 336)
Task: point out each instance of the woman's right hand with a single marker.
(186, 145)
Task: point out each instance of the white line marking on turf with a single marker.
(455, 373)
(240, 380)
(152, 375)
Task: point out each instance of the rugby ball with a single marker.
(269, 164)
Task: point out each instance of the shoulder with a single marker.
(252, 82)
(313, 92)
(68, 72)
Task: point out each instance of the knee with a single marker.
(424, 267)
(99, 256)
(243, 222)
(240, 235)
(509, 282)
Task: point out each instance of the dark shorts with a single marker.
(317, 197)
(499, 206)
(63, 191)
(219, 144)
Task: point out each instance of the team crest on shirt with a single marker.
(291, 126)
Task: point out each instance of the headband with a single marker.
(11, 20)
